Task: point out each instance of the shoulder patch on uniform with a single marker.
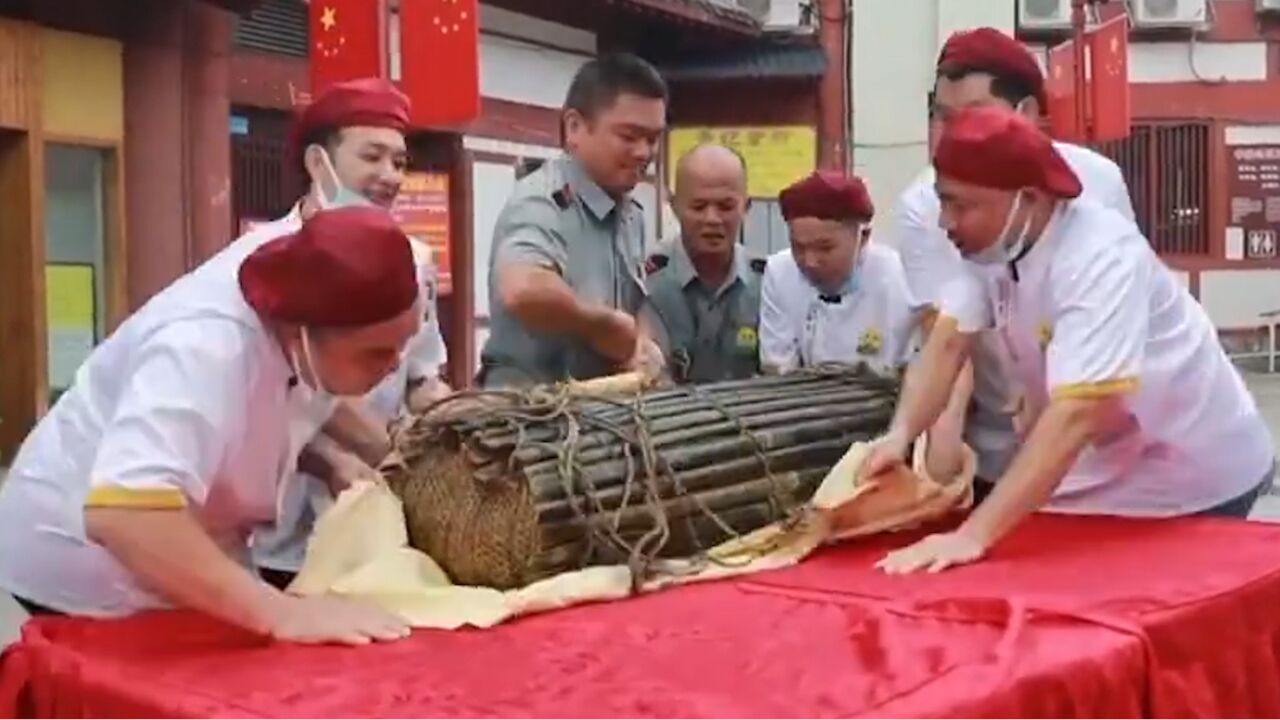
(563, 197)
(656, 262)
(759, 264)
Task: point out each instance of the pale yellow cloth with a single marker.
(360, 549)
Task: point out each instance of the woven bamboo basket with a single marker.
(506, 488)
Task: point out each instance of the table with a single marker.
(1071, 616)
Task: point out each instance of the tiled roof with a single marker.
(722, 13)
(753, 61)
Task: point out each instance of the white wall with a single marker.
(527, 60)
(895, 47)
(1236, 298)
(491, 186)
(783, 14)
(1182, 61)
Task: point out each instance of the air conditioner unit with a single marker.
(1044, 14)
(784, 14)
(759, 9)
(1170, 13)
(1268, 5)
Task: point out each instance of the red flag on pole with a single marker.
(346, 41)
(440, 60)
(1109, 81)
(1061, 89)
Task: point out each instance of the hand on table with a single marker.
(933, 554)
(330, 619)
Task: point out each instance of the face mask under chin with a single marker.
(343, 196)
(1009, 244)
(317, 384)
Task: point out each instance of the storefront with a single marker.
(114, 174)
(63, 281)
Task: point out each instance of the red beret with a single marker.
(348, 266)
(988, 50)
(369, 102)
(994, 147)
(828, 196)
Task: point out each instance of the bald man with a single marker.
(704, 292)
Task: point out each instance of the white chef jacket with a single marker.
(187, 402)
(874, 320)
(282, 544)
(930, 260)
(1092, 311)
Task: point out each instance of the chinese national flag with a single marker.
(1060, 85)
(1109, 82)
(440, 60)
(345, 41)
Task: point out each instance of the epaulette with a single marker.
(758, 264)
(563, 197)
(656, 262)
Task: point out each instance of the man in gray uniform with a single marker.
(704, 291)
(565, 274)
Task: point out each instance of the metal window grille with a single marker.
(1166, 168)
(264, 183)
(275, 26)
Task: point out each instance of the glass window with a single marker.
(75, 257)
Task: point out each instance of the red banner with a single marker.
(1106, 97)
(346, 41)
(1061, 88)
(440, 60)
(422, 209)
(1109, 81)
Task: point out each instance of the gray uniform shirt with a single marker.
(706, 334)
(559, 219)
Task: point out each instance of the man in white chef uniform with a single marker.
(831, 297)
(981, 67)
(351, 146)
(140, 488)
(1131, 406)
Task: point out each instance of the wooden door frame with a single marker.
(23, 343)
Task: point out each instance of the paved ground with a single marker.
(1266, 388)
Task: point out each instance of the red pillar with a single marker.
(154, 212)
(835, 107)
(177, 156)
(206, 92)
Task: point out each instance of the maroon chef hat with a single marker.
(828, 196)
(994, 147)
(986, 49)
(368, 102)
(349, 266)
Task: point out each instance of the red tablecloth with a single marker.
(1069, 617)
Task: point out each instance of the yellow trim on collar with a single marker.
(1099, 388)
(115, 496)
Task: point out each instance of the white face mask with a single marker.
(320, 391)
(343, 196)
(310, 408)
(1010, 244)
